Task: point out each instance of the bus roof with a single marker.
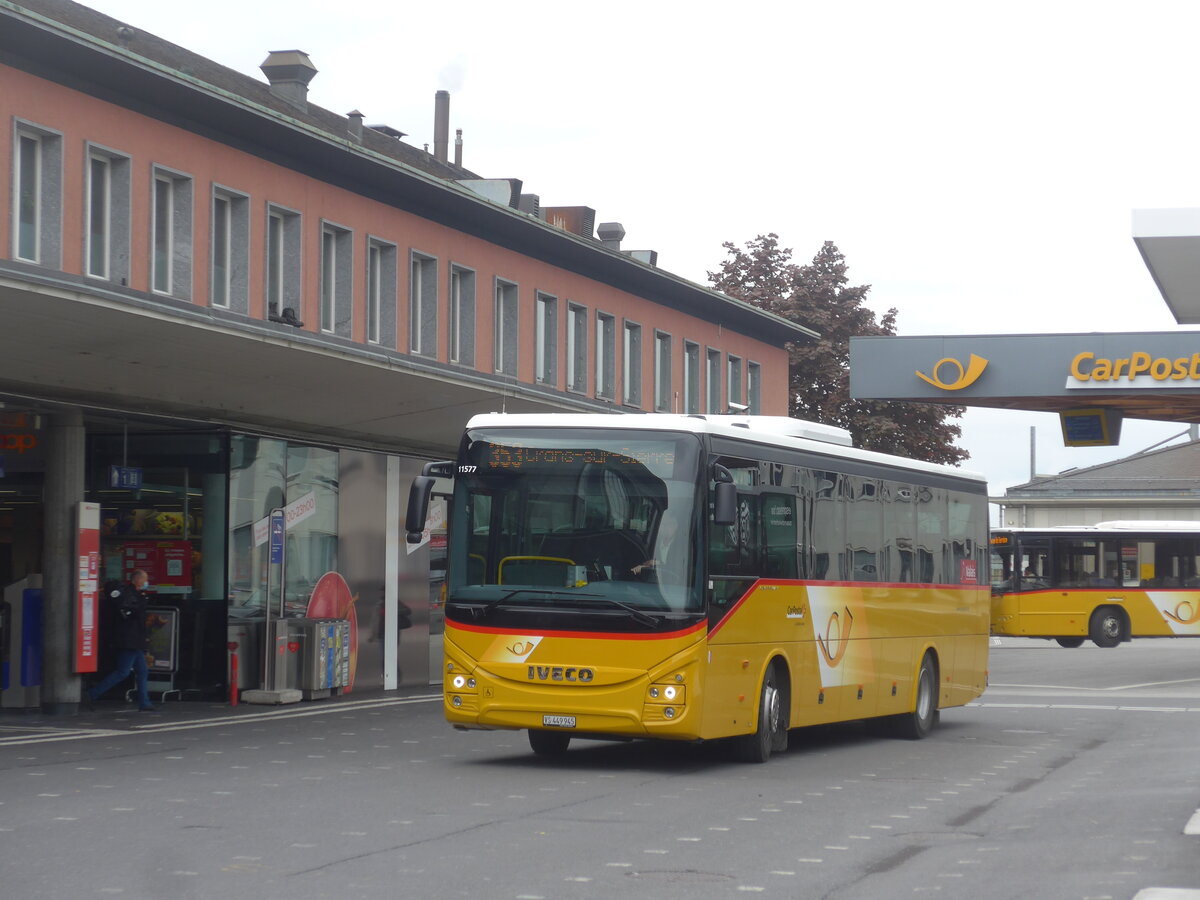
(773, 431)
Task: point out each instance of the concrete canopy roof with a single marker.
(1041, 372)
(1169, 241)
(107, 349)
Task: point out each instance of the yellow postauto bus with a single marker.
(1108, 582)
(703, 577)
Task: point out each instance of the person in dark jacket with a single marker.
(129, 637)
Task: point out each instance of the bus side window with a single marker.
(824, 527)
(779, 535)
(1033, 566)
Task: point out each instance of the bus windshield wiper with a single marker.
(638, 615)
(643, 618)
(504, 598)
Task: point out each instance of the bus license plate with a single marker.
(559, 721)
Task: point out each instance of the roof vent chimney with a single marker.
(458, 147)
(289, 72)
(580, 220)
(531, 204)
(355, 124)
(611, 234)
(441, 126)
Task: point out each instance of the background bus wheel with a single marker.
(1108, 626)
(549, 743)
(772, 724)
(918, 723)
(1070, 642)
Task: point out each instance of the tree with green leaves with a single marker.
(819, 296)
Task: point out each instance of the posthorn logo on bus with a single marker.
(966, 375)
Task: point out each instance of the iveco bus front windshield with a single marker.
(597, 523)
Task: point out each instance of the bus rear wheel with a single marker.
(918, 723)
(771, 733)
(1070, 643)
(549, 743)
(1108, 626)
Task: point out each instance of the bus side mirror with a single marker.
(418, 507)
(724, 503)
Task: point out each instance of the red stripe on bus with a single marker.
(598, 635)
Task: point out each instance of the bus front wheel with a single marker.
(771, 733)
(918, 723)
(1108, 626)
(549, 743)
(1070, 643)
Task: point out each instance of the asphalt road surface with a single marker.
(1075, 776)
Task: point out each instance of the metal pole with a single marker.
(269, 675)
(276, 675)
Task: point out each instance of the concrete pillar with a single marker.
(63, 492)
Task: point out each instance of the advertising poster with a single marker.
(87, 556)
(167, 563)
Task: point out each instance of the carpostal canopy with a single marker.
(1150, 375)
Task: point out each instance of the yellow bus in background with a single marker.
(695, 578)
(1108, 582)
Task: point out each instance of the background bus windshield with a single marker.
(571, 521)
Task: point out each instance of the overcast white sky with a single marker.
(976, 163)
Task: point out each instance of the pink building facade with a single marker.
(219, 300)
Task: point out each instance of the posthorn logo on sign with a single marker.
(965, 375)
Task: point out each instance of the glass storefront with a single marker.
(172, 525)
(191, 507)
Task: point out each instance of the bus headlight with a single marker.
(666, 693)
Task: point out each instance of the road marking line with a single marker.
(1087, 706)
(214, 722)
(1119, 687)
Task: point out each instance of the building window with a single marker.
(691, 378)
(27, 206)
(713, 380)
(337, 254)
(546, 340)
(98, 215)
(37, 196)
(222, 229)
(422, 305)
(606, 355)
(283, 264)
(106, 250)
(230, 269)
(632, 373)
(754, 388)
(462, 316)
(662, 372)
(733, 384)
(162, 257)
(505, 328)
(577, 343)
(381, 292)
(171, 234)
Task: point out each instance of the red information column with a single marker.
(87, 556)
